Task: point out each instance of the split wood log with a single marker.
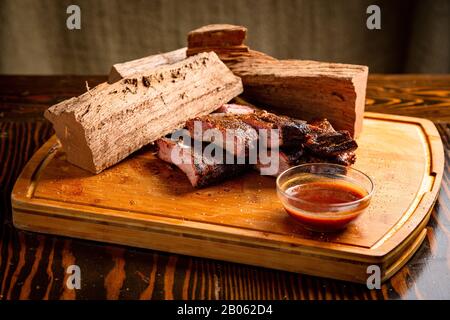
(298, 88)
(306, 89)
(123, 70)
(217, 35)
(109, 122)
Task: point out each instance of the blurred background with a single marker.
(34, 39)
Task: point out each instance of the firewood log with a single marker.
(305, 89)
(298, 88)
(106, 124)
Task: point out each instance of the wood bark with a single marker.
(109, 122)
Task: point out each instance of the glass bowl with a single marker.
(324, 197)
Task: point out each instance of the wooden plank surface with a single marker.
(32, 265)
(144, 192)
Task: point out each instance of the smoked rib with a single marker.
(109, 122)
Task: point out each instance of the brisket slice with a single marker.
(326, 142)
(294, 157)
(200, 172)
(240, 138)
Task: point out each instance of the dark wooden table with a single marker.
(32, 266)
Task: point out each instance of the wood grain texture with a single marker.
(156, 275)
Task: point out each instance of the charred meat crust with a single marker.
(326, 142)
(243, 137)
(290, 158)
(319, 137)
(300, 142)
(331, 144)
(291, 131)
(212, 174)
(198, 170)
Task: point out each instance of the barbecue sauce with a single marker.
(326, 205)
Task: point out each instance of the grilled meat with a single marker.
(318, 136)
(291, 132)
(200, 171)
(324, 141)
(286, 159)
(293, 157)
(231, 133)
(237, 130)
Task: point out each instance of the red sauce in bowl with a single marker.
(326, 205)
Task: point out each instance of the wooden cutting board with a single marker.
(146, 203)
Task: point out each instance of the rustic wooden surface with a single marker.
(32, 266)
(142, 202)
